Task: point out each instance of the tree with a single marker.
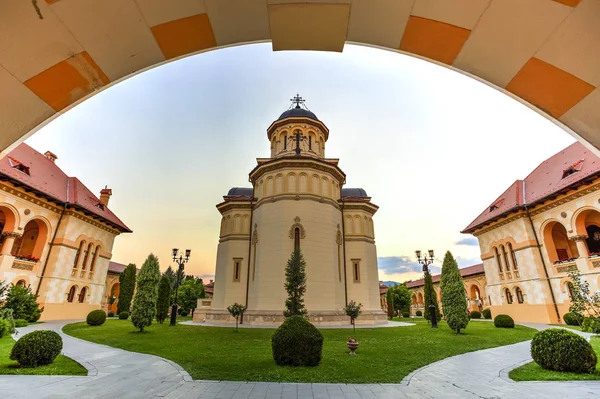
(236, 310)
(23, 303)
(353, 310)
(454, 299)
(582, 302)
(144, 302)
(126, 289)
(430, 297)
(295, 285)
(402, 296)
(189, 292)
(171, 275)
(164, 299)
(389, 295)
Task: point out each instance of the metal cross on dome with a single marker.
(298, 100)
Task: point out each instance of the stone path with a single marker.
(115, 373)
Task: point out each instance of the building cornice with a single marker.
(294, 120)
(297, 162)
(296, 197)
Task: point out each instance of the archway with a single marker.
(113, 298)
(587, 224)
(558, 245)
(31, 244)
(420, 298)
(62, 52)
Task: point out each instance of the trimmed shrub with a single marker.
(23, 302)
(38, 348)
(21, 323)
(123, 315)
(184, 313)
(405, 314)
(590, 324)
(504, 321)
(475, 315)
(487, 313)
(572, 319)
(3, 327)
(143, 309)
(111, 314)
(419, 313)
(561, 350)
(297, 343)
(96, 317)
(7, 314)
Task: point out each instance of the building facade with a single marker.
(296, 201)
(57, 237)
(537, 231)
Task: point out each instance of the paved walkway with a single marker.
(114, 373)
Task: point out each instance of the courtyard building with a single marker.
(297, 200)
(537, 231)
(56, 236)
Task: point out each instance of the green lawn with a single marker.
(578, 328)
(62, 365)
(533, 372)
(385, 355)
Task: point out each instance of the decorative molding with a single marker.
(364, 239)
(596, 263)
(578, 238)
(11, 234)
(566, 269)
(27, 211)
(297, 225)
(23, 265)
(289, 197)
(298, 162)
(563, 215)
(255, 236)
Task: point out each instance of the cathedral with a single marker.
(296, 201)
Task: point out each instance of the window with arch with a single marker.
(82, 293)
(285, 142)
(237, 266)
(310, 143)
(509, 298)
(519, 294)
(356, 270)
(297, 238)
(570, 290)
(21, 283)
(505, 256)
(77, 256)
(95, 255)
(498, 262)
(71, 294)
(513, 256)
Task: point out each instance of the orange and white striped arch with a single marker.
(55, 53)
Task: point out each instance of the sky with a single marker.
(432, 147)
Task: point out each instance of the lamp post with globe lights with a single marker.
(182, 260)
(426, 261)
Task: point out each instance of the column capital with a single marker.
(578, 238)
(11, 234)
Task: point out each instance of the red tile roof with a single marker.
(48, 179)
(465, 272)
(545, 182)
(115, 267)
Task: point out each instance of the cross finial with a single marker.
(298, 100)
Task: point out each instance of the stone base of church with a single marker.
(323, 318)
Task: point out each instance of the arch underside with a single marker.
(55, 53)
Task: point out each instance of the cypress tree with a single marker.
(144, 302)
(164, 299)
(127, 287)
(430, 297)
(390, 302)
(295, 285)
(453, 295)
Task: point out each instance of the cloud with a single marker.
(402, 264)
(470, 241)
(463, 262)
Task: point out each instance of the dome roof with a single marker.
(240, 192)
(298, 112)
(354, 192)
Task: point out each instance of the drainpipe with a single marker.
(344, 250)
(537, 241)
(249, 253)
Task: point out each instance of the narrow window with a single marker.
(519, 295)
(82, 294)
(95, 255)
(570, 290)
(296, 238)
(509, 298)
(356, 270)
(285, 142)
(310, 142)
(237, 264)
(71, 295)
(513, 256)
(498, 259)
(505, 256)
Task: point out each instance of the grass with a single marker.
(62, 365)
(533, 372)
(578, 328)
(385, 355)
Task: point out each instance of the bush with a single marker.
(504, 321)
(475, 315)
(405, 314)
(38, 348)
(183, 313)
(23, 302)
(4, 326)
(297, 343)
(572, 319)
(487, 313)
(7, 314)
(111, 314)
(590, 324)
(561, 350)
(21, 323)
(419, 313)
(96, 317)
(123, 315)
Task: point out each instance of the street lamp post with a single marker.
(426, 261)
(180, 261)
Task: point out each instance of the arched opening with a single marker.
(476, 295)
(30, 245)
(570, 290)
(519, 295)
(508, 296)
(113, 297)
(558, 245)
(420, 298)
(82, 294)
(95, 255)
(77, 257)
(587, 224)
(498, 261)
(7, 220)
(413, 299)
(21, 283)
(513, 256)
(505, 257)
(71, 294)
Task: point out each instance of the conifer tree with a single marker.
(144, 302)
(390, 302)
(454, 299)
(295, 285)
(164, 299)
(127, 287)
(430, 297)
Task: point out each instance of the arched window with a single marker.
(95, 255)
(505, 256)
(82, 294)
(296, 238)
(513, 256)
(570, 290)
(509, 298)
(285, 142)
(71, 295)
(498, 262)
(21, 283)
(86, 256)
(519, 294)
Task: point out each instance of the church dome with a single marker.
(354, 192)
(298, 112)
(240, 192)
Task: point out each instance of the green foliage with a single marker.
(23, 302)
(430, 297)
(184, 313)
(591, 324)
(7, 314)
(96, 317)
(389, 295)
(504, 321)
(21, 323)
(189, 292)
(454, 299)
(401, 295)
(3, 289)
(295, 285)
(572, 319)
(405, 314)
(146, 295)
(38, 348)
(475, 315)
(582, 301)
(111, 314)
(418, 313)
(123, 315)
(4, 326)
(236, 310)
(164, 299)
(561, 350)
(352, 310)
(127, 287)
(297, 343)
(170, 274)
(487, 313)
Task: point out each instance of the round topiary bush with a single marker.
(419, 313)
(297, 343)
(405, 314)
(487, 313)
(475, 315)
(561, 350)
(21, 323)
(571, 319)
(123, 315)
(111, 314)
(38, 348)
(96, 317)
(504, 321)
(183, 313)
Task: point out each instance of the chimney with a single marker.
(51, 156)
(105, 194)
(211, 281)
